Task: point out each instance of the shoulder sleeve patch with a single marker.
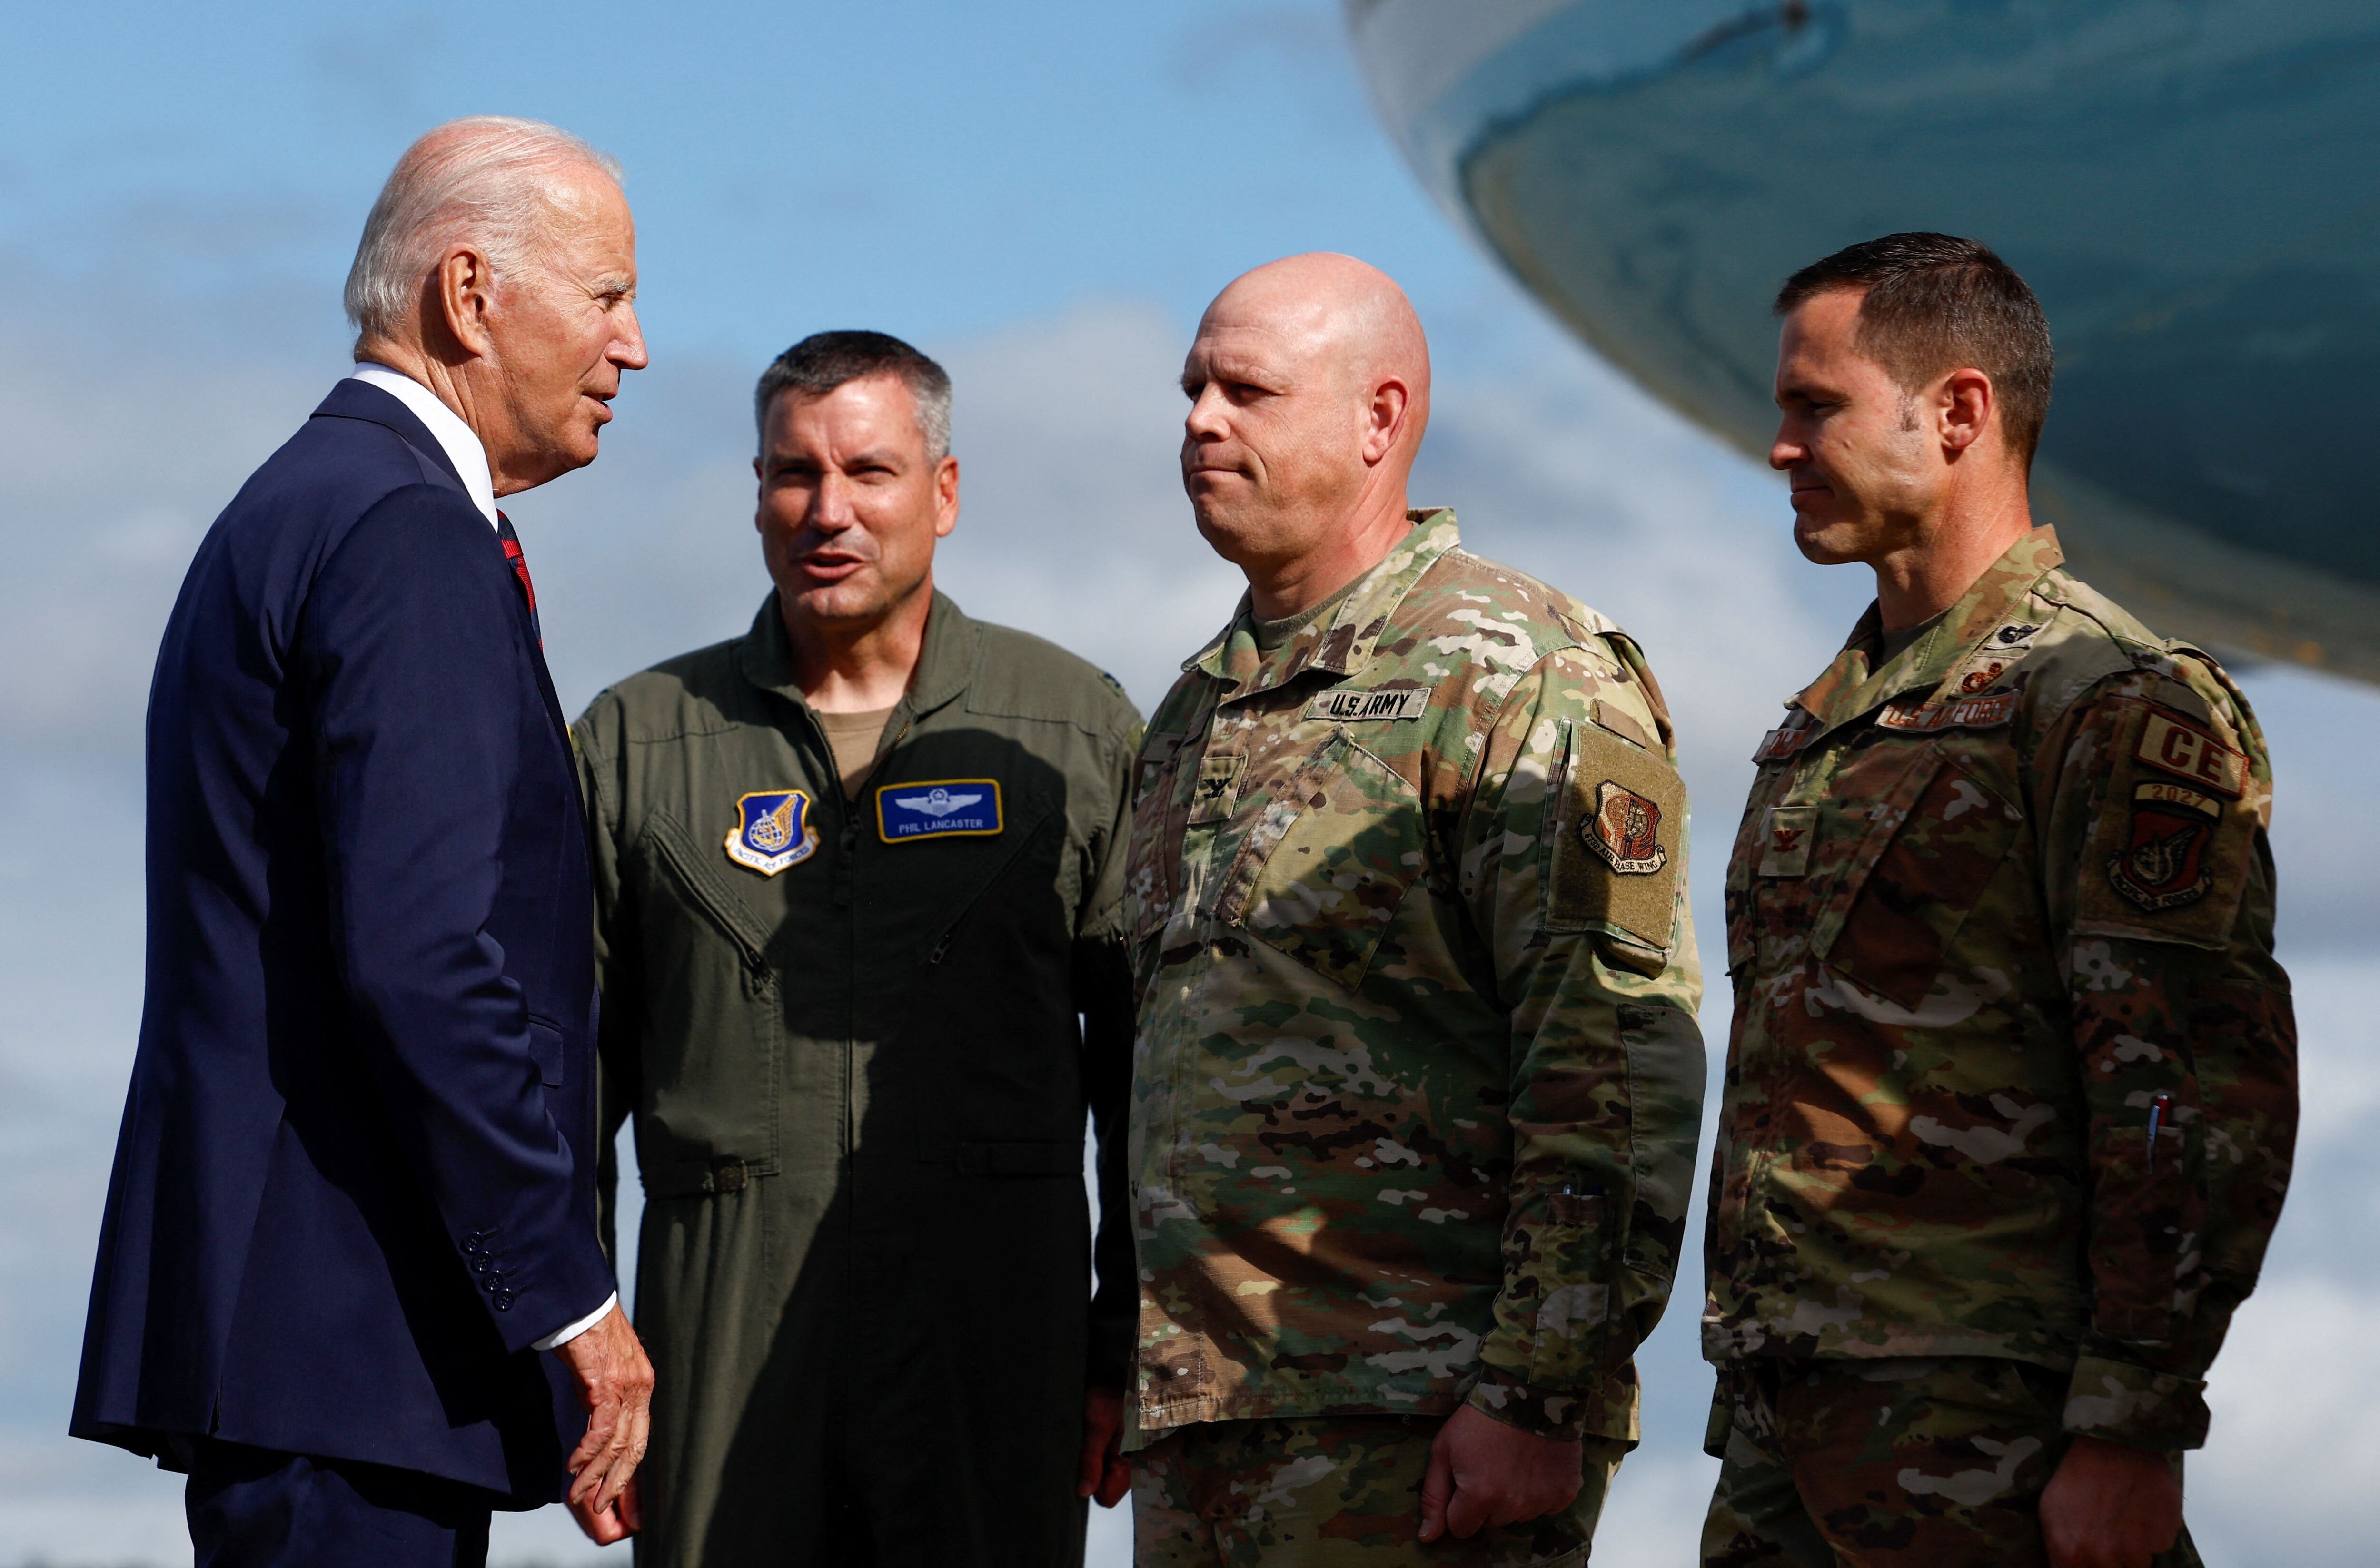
(2167, 857)
(2187, 751)
(1615, 841)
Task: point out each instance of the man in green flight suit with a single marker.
(2011, 1087)
(858, 876)
(1417, 1082)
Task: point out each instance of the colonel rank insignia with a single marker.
(773, 831)
(941, 808)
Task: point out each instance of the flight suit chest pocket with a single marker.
(1912, 886)
(1330, 860)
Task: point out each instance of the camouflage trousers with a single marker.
(1326, 1492)
(1908, 1461)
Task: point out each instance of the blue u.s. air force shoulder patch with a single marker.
(773, 831)
(938, 808)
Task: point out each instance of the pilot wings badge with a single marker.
(773, 831)
(938, 808)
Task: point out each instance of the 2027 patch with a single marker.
(773, 831)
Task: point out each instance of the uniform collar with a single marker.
(1851, 685)
(945, 664)
(1342, 643)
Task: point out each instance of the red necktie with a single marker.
(520, 571)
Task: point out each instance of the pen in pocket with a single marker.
(2156, 1120)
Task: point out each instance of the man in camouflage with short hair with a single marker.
(2012, 1088)
(1416, 1079)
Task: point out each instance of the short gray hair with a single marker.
(823, 361)
(483, 178)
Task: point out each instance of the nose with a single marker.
(1204, 422)
(831, 504)
(628, 348)
(1785, 451)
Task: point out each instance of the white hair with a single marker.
(487, 178)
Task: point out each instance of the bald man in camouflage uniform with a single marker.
(1416, 1079)
(2012, 1090)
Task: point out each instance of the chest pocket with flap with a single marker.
(1933, 843)
(1330, 860)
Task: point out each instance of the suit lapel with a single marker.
(352, 399)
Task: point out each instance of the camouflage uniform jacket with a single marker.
(1417, 1080)
(2012, 1068)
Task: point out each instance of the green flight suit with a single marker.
(858, 1041)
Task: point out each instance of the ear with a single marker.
(946, 496)
(467, 299)
(1965, 404)
(1384, 421)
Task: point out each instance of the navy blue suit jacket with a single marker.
(356, 1175)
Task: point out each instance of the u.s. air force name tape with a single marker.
(1380, 703)
(1961, 713)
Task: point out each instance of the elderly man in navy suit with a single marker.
(350, 1281)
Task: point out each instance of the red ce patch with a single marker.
(2206, 762)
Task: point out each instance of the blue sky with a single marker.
(1044, 196)
(934, 169)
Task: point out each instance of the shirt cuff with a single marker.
(1563, 1415)
(569, 1332)
(2122, 1403)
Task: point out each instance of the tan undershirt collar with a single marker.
(855, 739)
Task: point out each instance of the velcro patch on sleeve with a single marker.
(2170, 856)
(2163, 863)
(1616, 839)
(2171, 746)
(1381, 703)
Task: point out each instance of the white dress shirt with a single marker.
(471, 461)
(462, 446)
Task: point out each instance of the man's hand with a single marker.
(617, 1384)
(1483, 1472)
(2111, 1505)
(1107, 1473)
(616, 1523)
